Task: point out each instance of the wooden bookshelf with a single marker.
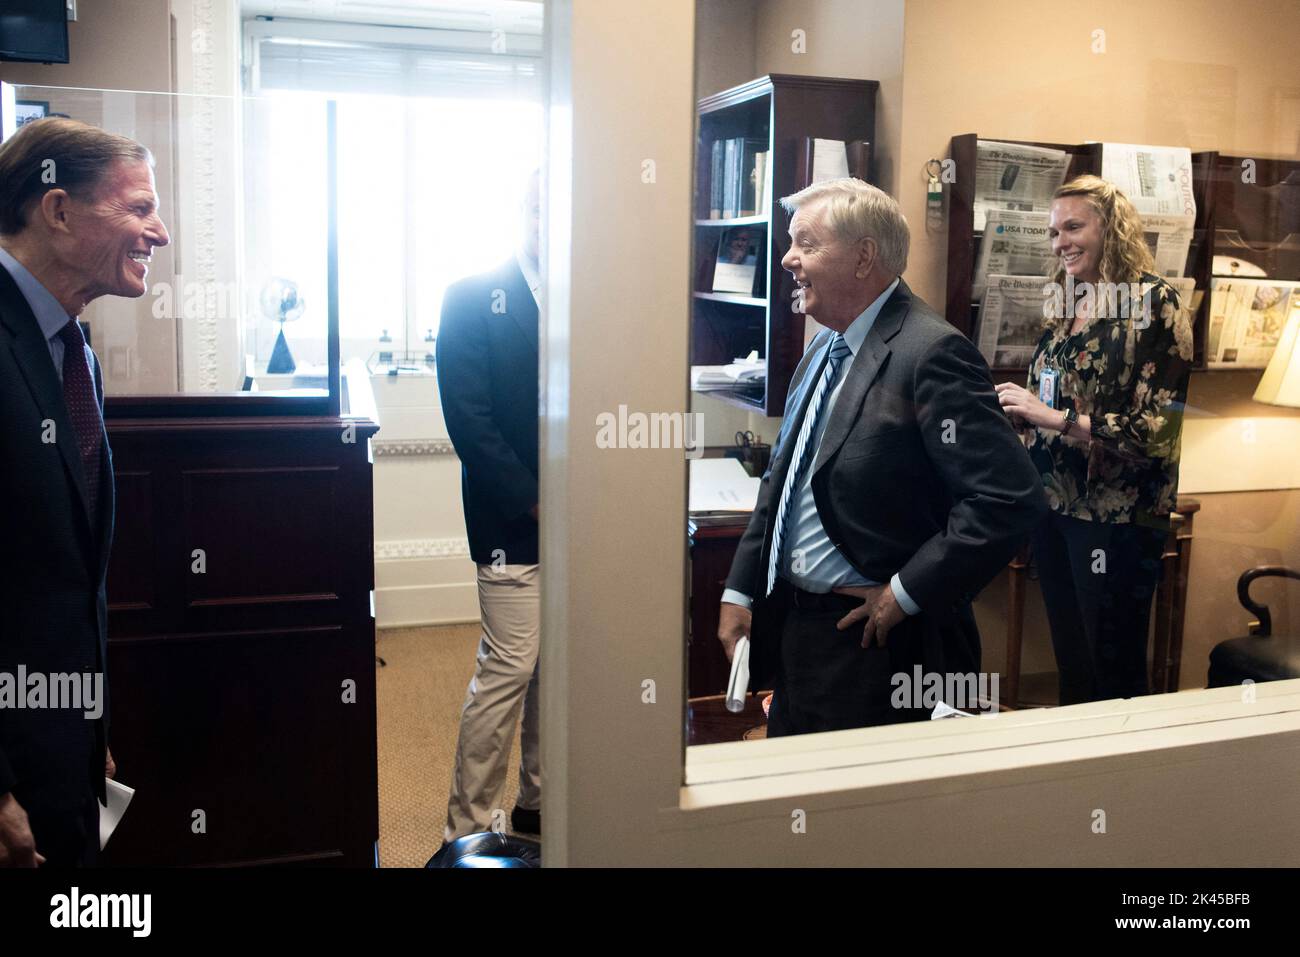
(733, 297)
(786, 112)
(1263, 213)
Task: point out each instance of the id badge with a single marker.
(1047, 387)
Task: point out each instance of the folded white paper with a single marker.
(119, 796)
(943, 710)
(739, 683)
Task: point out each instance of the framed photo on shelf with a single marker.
(738, 256)
(25, 111)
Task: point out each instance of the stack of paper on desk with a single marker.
(722, 485)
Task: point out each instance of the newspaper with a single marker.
(1158, 182)
(1189, 297)
(1156, 179)
(1014, 244)
(1170, 239)
(1011, 320)
(1247, 317)
(1009, 176)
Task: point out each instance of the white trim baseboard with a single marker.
(424, 581)
(389, 447)
(419, 548)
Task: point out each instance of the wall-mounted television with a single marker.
(34, 31)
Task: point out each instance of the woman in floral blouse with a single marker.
(1103, 415)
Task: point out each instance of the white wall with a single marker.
(423, 572)
(209, 207)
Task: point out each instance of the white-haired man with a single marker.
(896, 491)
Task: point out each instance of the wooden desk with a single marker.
(709, 722)
(713, 539)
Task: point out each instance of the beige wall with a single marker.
(853, 39)
(1179, 72)
(112, 45)
(724, 44)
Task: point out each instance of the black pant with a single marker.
(827, 681)
(66, 838)
(1098, 580)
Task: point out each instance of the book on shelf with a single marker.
(746, 183)
(760, 182)
(715, 180)
(738, 170)
(729, 166)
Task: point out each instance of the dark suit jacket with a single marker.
(919, 471)
(53, 610)
(488, 382)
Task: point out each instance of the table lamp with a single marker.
(1280, 384)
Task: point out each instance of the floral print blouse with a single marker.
(1130, 376)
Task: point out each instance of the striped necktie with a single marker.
(83, 410)
(803, 448)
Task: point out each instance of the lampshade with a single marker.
(1281, 382)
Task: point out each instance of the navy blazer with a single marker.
(488, 382)
(918, 472)
(53, 565)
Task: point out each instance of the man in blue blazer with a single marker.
(488, 382)
(897, 487)
(78, 220)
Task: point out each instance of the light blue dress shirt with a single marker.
(822, 566)
(49, 314)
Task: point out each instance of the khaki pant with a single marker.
(504, 682)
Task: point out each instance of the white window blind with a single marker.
(436, 136)
(329, 66)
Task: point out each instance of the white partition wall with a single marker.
(1174, 777)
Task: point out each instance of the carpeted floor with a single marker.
(420, 694)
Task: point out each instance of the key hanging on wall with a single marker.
(933, 195)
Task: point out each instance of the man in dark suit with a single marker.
(488, 384)
(78, 220)
(896, 491)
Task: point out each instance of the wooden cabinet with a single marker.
(241, 639)
(713, 540)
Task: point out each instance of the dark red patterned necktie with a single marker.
(83, 409)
